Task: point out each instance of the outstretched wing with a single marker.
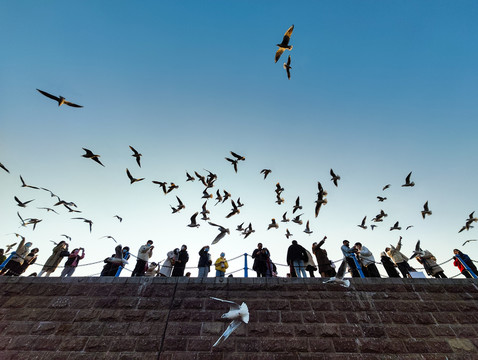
(233, 304)
(49, 95)
(72, 105)
(232, 326)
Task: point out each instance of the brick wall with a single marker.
(172, 319)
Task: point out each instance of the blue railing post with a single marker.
(465, 265)
(359, 268)
(245, 265)
(2, 265)
(119, 271)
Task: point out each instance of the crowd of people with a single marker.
(360, 261)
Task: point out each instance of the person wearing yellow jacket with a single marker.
(221, 265)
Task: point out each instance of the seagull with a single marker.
(279, 200)
(66, 236)
(8, 171)
(222, 232)
(25, 185)
(335, 178)
(162, 184)
(273, 224)
(131, 178)
(266, 172)
(297, 205)
(307, 229)
(386, 187)
(418, 251)
(240, 228)
(206, 195)
(235, 210)
(233, 162)
(23, 221)
(171, 187)
(467, 241)
(381, 199)
(237, 156)
(193, 220)
(284, 44)
(180, 205)
(395, 227)
(89, 222)
(407, 181)
(408, 227)
(287, 67)
(239, 204)
(226, 196)
(287, 233)
(218, 197)
(321, 200)
(201, 178)
(32, 221)
(47, 209)
(373, 226)
(22, 204)
(89, 155)
(61, 100)
(284, 217)
(118, 257)
(339, 278)
(297, 219)
(425, 210)
(279, 189)
(70, 209)
(204, 211)
(119, 218)
(362, 225)
(109, 237)
(10, 247)
(238, 315)
(189, 177)
(137, 155)
(248, 231)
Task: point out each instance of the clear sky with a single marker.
(378, 89)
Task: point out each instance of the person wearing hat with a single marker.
(349, 254)
(180, 264)
(221, 265)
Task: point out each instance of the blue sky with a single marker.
(378, 89)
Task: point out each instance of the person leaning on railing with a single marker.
(466, 259)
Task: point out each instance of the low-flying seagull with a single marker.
(222, 232)
(287, 67)
(339, 277)
(33, 221)
(239, 314)
(180, 205)
(335, 178)
(266, 172)
(425, 210)
(407, 181)
(89, 222)
(235, 210)
(418, 251)
(284, 44)
(66, 236)
(47, 209)
(22, 203)
(240, 228)
(4, 168)
(131, 178)
(193, 222)
(9, 247)
(137, 155)
(89, 155)
(248, 231)
(206, 195)
(61, 100)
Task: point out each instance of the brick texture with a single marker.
(175, 319)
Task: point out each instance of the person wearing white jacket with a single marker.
(368, 261)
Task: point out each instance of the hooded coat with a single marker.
(429, 263)
(55, 258)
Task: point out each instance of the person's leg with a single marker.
(295, 263)
(202, 272)
(65, 271)
(373, 271)
(466, 273)
(302, 268)
(403, 269)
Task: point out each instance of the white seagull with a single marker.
(239, 314)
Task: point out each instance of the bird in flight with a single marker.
(396, 226)
(425, 210)
(222, 232)
(25, 185)
(237, 156)
(297, 205)
(362, 225)
(284, 217)
(137, 155)
(233, 162)
(284, 44)
(386, 187)
(418, 251)
(131, 178)
(47, 209)
(335, 178)
(109, 237)
(90, 155)
(467, 241)
(407, 181)
(20, 203)
(193, 222)
(297, 219)
(239, 314)
(89, 222)
(287, 233)
(235, 210)
(119, 218)
(189, 177)
(61, 100)
(307, 228)
(381, 199)
(287, 67)
(248, 231)
(273, 224)
(266, 172)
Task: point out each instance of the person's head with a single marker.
(76, 250)
(2, 251)
(259, 246)
(35, 251)
(126, 249)
(149, 242)
(456, 252)
(184, 248)
(294, 242)
(176, 251)
(153, 265)
(314, 244)
(346, 242)
(206, 248)
(387, 249)
(358, 245)
(63, 242)
(188, 274)
(223, 254)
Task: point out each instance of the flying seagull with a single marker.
(287, 67)
(137, 155)
(386, 187)
(288, 234)
(425, 210)
(339, 278)
(222, 232)
(239, 314)
(109, 237)
(362, 224)
(193, 220)
(25, 185)
(90, 155)
(273, 224)
(418, 251)
(407, 181)
(20, 203)
(467, 241)
(237, 156)
(307, 228)
(395, 227)
(297, 205)
(119, 218)
(335, 178)
(284, 44)
(61, 100)
(89, 222)
(266, 172)
(131, 178)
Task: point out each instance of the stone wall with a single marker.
(174, 318)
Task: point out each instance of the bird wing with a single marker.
(218, 237)
(49, 95)
(232, 303)
(288, 33)
(72, 104)
(129, 175)
(341, 271)
(279, 53)
(4, 168)
(407, 179)
(288, 72)
(232, 326)
(134, 150)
